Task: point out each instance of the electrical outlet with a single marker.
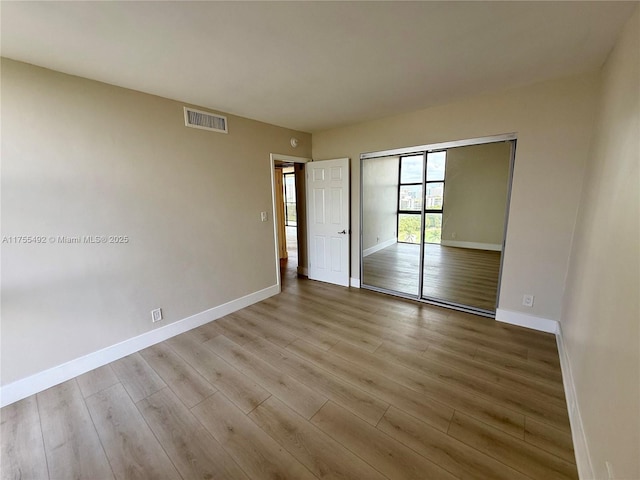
(527, 300)
(263, 216)
(156, 315)
(454, 235)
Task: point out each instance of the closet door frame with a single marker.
(424, 150)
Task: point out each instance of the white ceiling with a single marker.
(313, 65)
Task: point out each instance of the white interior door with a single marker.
(328, 220)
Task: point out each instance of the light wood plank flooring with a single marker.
(317, 382)
(459, 275)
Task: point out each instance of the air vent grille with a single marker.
(205, 120)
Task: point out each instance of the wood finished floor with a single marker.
(317, 382)
(459, 275)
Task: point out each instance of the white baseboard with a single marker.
(380, 246)
(496, 247)
(303, 271)
(527, 321)
(38, 382)
(354, 282)
(580, 445)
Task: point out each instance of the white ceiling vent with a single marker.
(205, 120)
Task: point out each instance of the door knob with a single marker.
(343, 232)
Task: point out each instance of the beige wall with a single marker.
(380, 201)
(553, 121)
(85, 158)
(475, 194)
(601, 313)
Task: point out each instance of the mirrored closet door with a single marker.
(433, 221)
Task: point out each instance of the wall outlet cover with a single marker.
(156, 315)
(527, 300)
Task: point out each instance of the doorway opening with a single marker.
(289, 214)
(287, 218)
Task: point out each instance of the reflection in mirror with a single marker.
(453, 200)
(464, 269)
(436, 162)
(391, 233)
(411, 169)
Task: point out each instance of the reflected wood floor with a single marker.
(317, 382)
(459, 275)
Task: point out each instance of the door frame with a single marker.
(273, 158)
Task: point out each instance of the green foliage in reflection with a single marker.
(409, 228)
(432, 227)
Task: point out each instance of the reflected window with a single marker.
(434, 196)
(412, 201)
(410, 197)
(411, 169)
(435, 166)
(409, 228)
(432, 227)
